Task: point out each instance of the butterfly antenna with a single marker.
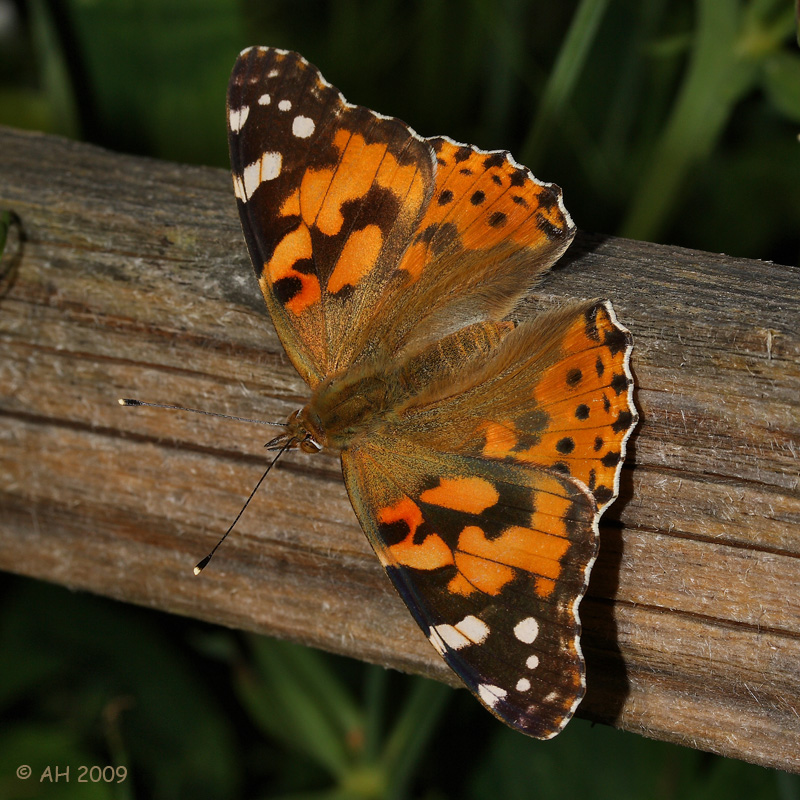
(127, 401)
(201, 565)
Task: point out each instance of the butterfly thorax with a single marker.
(342, 407)
(365, 396)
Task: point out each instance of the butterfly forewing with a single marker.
(353, 220)
(491, 558)
(486, 200)
(489, 231)
(329, 194)
(557, 393)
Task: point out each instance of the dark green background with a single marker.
(672, 121)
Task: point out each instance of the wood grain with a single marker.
(130, 278)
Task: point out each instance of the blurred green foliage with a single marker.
(669, 121)
(194, 711)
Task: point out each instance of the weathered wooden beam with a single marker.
(131, 279)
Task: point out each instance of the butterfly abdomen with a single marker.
(447, 358)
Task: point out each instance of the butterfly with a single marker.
(478, 452)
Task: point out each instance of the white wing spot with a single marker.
(303, 127)
(527, 630)
(523, 684)
(436, 641)
(476, 630)
(552, 696)
(454, 639)
(470, 630)
(285, 105)
(491, 695)
(532, 662)
(237, 117)
(267, 168)
(264, 100)
(238, 188)
(273, 73)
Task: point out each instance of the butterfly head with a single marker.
(302, 431)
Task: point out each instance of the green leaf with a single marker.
(58, 92)
(158, 71)
(564, 76)
(518, 768)
(719, 74)
(375, 688)
(607, 764)
(409, 737)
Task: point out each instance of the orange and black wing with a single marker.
(353, 221)
(329, 194)
(482, 501)
(556, 392)
(491, 558)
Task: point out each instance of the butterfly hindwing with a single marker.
(587, 395)
(557, 393)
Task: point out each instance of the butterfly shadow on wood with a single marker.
(608, 684)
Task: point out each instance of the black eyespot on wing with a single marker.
(548, 229)
(547, 198)
(565, 445)
(619, 383)
(574, 377)
(623, 422)
(494, 160)
(610, 459)
(603, 494)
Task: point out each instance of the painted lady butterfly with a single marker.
(478, 453)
